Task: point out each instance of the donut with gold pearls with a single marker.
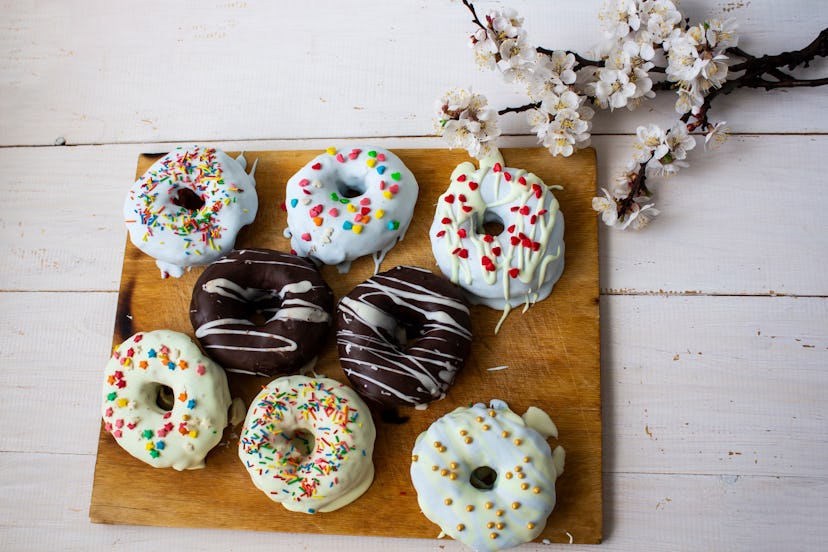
(487, 476)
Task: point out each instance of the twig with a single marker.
(519, 109)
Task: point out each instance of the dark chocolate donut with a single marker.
(403, 335)
(286, 291)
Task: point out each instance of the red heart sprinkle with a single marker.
(441, 233)
(473, 186)
(461, 178)
(380, 157)
(487, 238)
(306, 236)
(365, 201)
(467, 208)
(513, 272)
(496, 251)
(316, 166)
(304, 182)
(341, 158)
(515, 240)
(394, 188)
(511, 228)
(524, 210)
(462, 198)
(497, 167)
(507, 176)
(464, 253)
(461, 233)
(354, 154)
(522, 180)
(333, 211)
(365, 210)
(449, 198)
(446, 220)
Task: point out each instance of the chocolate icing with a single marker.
(286, 290)
(403, 335)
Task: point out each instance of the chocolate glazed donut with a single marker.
(403, 335)
(284, 290)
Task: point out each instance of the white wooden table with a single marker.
(714, 320)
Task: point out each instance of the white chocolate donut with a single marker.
(187, 209)
(348, 203)
(523, 262)
(487, 476)
(307, 443)
(138, 370)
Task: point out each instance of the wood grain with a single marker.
(552, 353)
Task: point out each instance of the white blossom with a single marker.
(613, 88)
(466, 120)
(562, 123)
(619, 17)
(607, 207)
(716, 135)
(639, 216)
(721, 33)
(517, 59)
(689, 98)
(506, 22)
(650, 142)
(679, 141)
(552, 74)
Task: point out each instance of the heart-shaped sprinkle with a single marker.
(395, 176)
(461, 233)
(354, 154)
(304, 182)
(463, 253)
(294, 202)
(496, 251)
(446, 220)
(522, 180)
(316, 166)
(306, 236)
(380, 157)
(317, 221)
(365, 210)
(497, 167)
(394, 188)
(381, 169)
(341, 158)
(461, 178)
(507, 176)
(513, 272)
(333, 211)
(467, 208)
(365, 201)
(372, 153)
(473, 186)
(514, 240)
(462, 198)
(449, 198)
(441, 233)
(511, 228)
(487, 238)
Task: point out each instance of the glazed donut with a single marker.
(188, 207)
(346, 204)
(487, 476)
(523, 262)
(134, 411)
(307, 443)
(403, 335)
(286, 290)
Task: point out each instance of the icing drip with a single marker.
(371, 336)
(522, 263)
(485, 477)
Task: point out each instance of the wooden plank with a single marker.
(724, 230)
(557, 369)
(45, 497)
(151, 73)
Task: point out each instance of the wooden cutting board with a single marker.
(552, 354)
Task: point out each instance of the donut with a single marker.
(164, 402)
(523, 261)
(286, 293)
(349, 203)
(307, 443)
(402, 336)
(487, 476)
(187, 208)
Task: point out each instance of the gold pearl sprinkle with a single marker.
(486, 427)
(442, 449)
(463, 432)
(414, 458)
(444, 472)
(504, 434)
(536, 490)
(518, 469)
(524, 486)
(447, 502)
(437, 444)
(490, 525)
(499, 513)
(479, 419)
(518, 442)
(468, 440)
(492, 413)
(515, 505)
(521, 475)
(526, 459)
(460, 526)
(452, 476)
(492, 535)
(470, 508)
(434, 468)
(488, 505)
(453, 465)
(508, 475)
(499, 525)
(530, 525)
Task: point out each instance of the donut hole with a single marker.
(407, 336)
(483, 478)
(492, 224)
(164, 398)
(261, 307)
(187, 198)
(350, 188)
(302, 443)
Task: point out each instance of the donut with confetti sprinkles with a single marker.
(308, 444)
(498, 233)
(164, 402)
(487, 476)
(348, 203)
(187, 209)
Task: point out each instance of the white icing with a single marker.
(338, 468)
(343, 235)
(445, 457)
(182, 437)
(531, 244)
(179, 238)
